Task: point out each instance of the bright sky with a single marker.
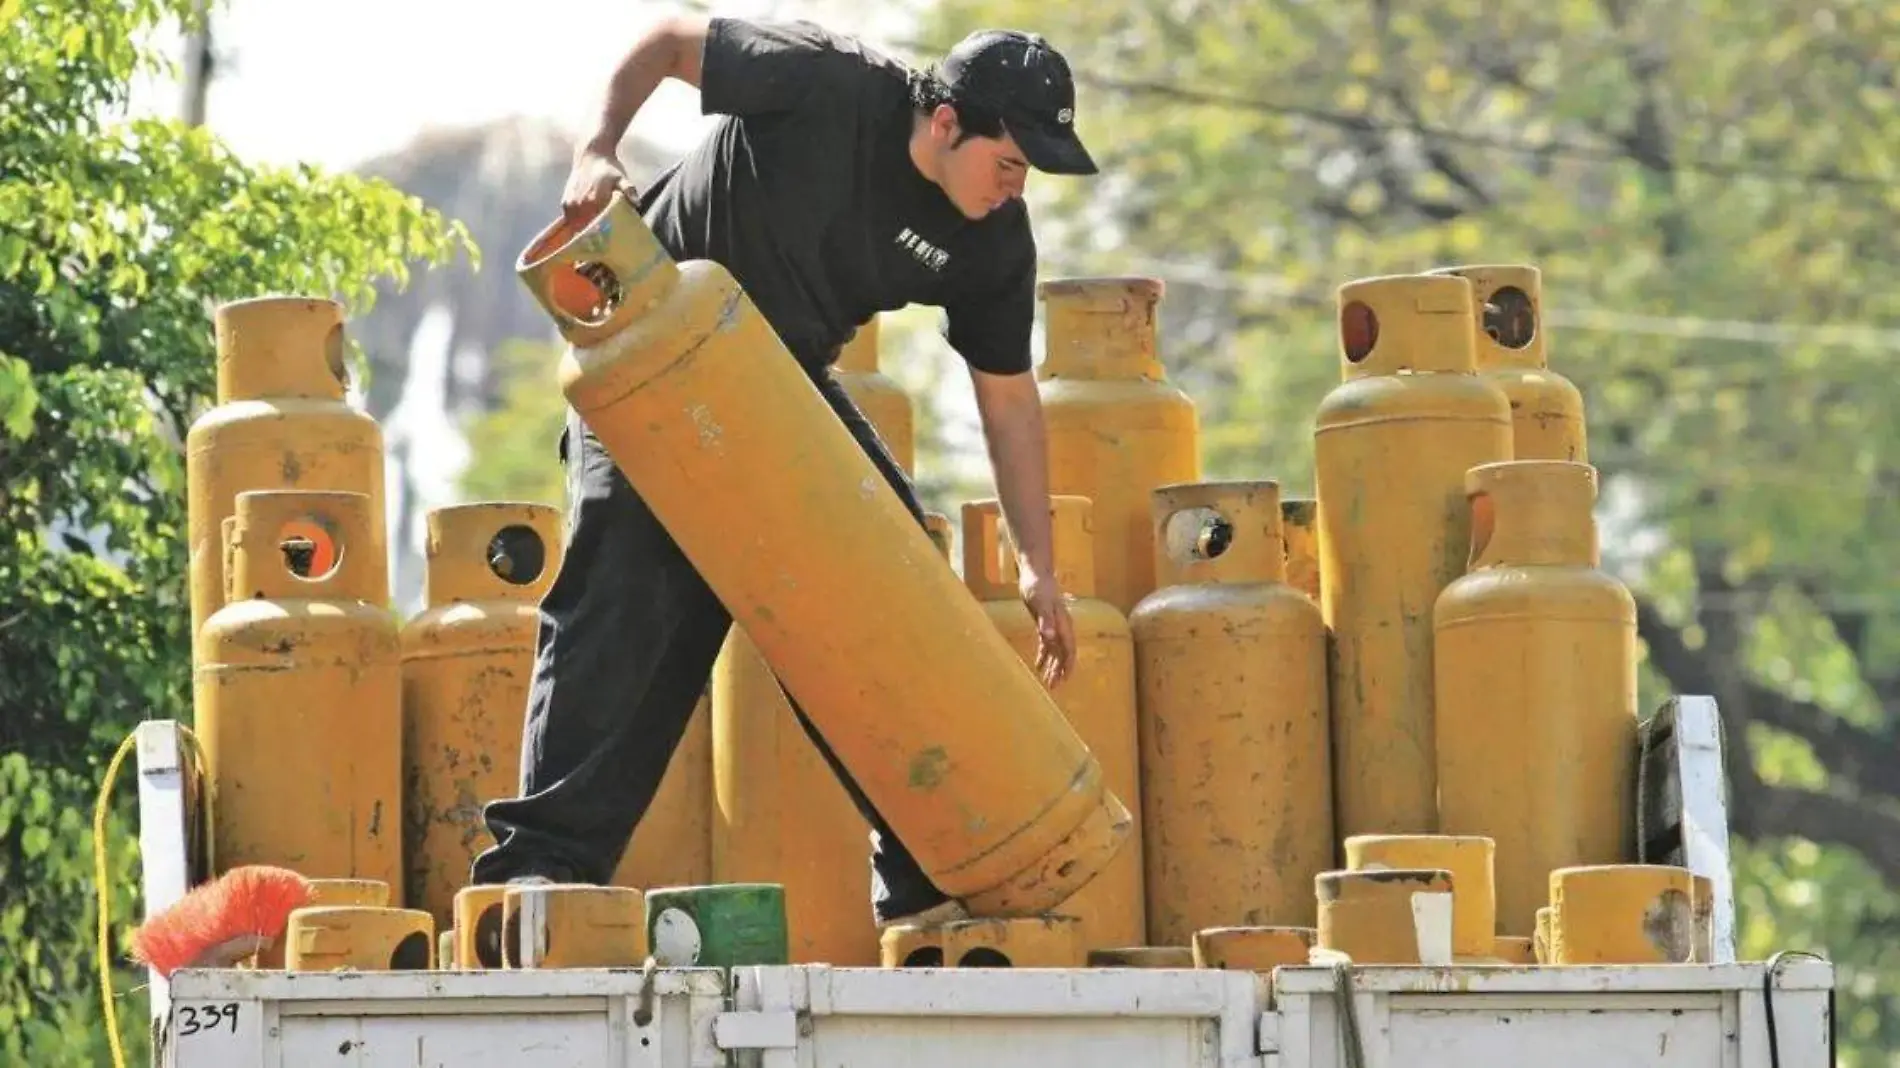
(347, 80)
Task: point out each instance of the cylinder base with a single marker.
(1064, 869)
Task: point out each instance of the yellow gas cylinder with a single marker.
(478, 925)
(1231, 673)
(951, 736)
(466, 662)
(877, 395)
(1142, 957)
(1117, 428)
(1540, 937)
(672, 846)
(573, 925)
(1392, 444)
(1253, 949)
(1470, 859)
(1536, 685)
(363, 938)
(1546, 408)
(1098, 697)
(369, 893)
(1047, 941)
(1299, 522)
(1622, 914)
(781, 815)
(298, 696)
(911, 945)
(1378, 917)
(281, 422)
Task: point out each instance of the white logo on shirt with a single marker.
(925, 253)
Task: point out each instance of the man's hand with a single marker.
(1055, 631)
(591, 184)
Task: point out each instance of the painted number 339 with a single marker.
(203, 1019)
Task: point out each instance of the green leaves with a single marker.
(18, 399)
(116, 241)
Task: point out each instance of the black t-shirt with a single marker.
(805, 191)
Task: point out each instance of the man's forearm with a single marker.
(669, 50)
(1019, 455)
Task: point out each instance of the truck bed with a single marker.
(812, 1016)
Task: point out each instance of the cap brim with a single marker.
(1053, 151)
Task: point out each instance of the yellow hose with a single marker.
(101, 879)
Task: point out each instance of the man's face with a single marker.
(981, 174)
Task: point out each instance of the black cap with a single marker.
(1018, 76)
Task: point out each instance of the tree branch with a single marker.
(1862, 758)
(1779, 812)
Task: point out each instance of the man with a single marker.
(836, 185)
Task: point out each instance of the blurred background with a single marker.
(1708, 187)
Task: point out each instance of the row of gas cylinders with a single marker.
(1461, 669)
(1433, 908)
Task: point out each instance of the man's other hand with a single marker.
(1055, 631)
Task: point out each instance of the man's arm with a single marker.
(1011, 410)
(671, 49)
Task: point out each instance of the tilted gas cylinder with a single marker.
(281, 422)
(877, 395)
(1547, 420)
(467, 659)
(1536, 680)
(1230, 665)
(298, 695)
(1392, 445)
(1098, 697)
(1117, 428)
(717, 427)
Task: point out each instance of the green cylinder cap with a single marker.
(728, 925)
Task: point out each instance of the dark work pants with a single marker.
(628, 635)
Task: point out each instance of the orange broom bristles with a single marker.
(222, 921)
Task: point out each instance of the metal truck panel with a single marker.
(813, 1016)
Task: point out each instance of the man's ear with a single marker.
(943, 122)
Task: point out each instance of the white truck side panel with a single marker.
(1654, 1016)
(927, 1018)
(565, 1019)
(1657, 1016)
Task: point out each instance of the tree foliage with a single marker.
(1673, 169)
(117, 238)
